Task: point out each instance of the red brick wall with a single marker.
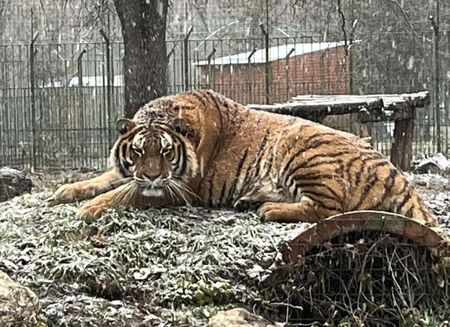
(321, 72)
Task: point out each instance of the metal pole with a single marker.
(249, 85)
(186, 59)
(209, 66)
(33, 97)
(81, 100)
(435, 25)
(108, 85)
(287, 73)
(267, 67)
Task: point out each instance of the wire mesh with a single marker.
(77, 99)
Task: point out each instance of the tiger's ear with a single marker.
(124, 125)
(180, 126)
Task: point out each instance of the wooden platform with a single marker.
(399, 108)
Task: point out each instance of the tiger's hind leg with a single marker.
(88, 189)
(304, 211)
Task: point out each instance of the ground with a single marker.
(169, 267)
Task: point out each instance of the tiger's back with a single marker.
(275, 160)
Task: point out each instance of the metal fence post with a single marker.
(186, 59)
(287, 73)
(81, 102)
(108, 85)
(434, 19)
(209, 66)
(267, 67)
(249, 84)
(33, 102)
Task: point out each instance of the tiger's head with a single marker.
(159, 158)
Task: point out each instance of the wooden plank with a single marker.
(371, 108)
(317, 110)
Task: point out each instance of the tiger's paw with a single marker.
(91, 210)
(246, 204)
(71, 193)
(272, 211)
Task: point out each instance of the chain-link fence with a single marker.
(59, 102)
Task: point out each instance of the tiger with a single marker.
(200, 148)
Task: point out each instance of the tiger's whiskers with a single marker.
(182, 190)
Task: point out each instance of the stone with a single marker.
(436, 164)
(13, 182)
(19, 306)
(239, 317)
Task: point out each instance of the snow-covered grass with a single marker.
(168, 267)
(165, 266)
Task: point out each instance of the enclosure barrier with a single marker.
(363, 268)
(59, 101)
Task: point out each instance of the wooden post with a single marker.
(401, 151)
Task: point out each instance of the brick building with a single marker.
(294, 69)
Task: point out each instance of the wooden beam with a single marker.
(370, 108)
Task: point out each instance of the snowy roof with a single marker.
(98, 80)
(275, 53)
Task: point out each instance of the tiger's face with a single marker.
(161, 160)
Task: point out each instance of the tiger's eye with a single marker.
(138, 151)
(166, 150)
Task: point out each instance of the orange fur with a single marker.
(296, 169)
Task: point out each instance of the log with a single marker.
(401, 150)
(13, 182)
(320, 108)
(370, 108)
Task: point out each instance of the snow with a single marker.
(275, 53)
(98, 80)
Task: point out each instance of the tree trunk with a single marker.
(144, 36)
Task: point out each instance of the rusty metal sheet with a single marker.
(364, 220)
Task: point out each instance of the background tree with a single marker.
(144, 36)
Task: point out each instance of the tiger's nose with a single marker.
(152, 177)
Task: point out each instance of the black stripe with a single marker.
(227, 107)
(373, 178)
(261, 152)
(322, 155)
(388, 183)
(363, 167)
(304, 147)
(123, 146)
(236, 180)
(292, 121)
(306, 165)
(405, 200)
(222, 192)
(409, 212)
(315, 175)
(181, 154)
(219, 111)
(348, 166)
(318, 200)
(305, 184)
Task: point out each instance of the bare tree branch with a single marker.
(343, 25)
(405, 15)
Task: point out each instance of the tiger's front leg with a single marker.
(123, 197)
(304, 211)
(90, 188)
